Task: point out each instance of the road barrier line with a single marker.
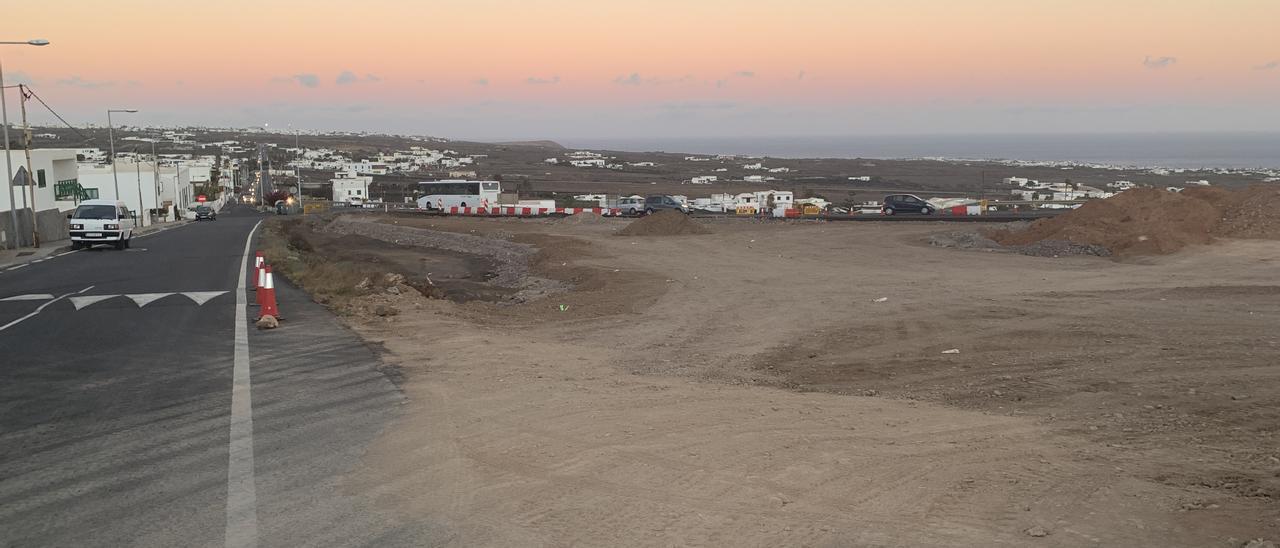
(40, 309)
(242, 497)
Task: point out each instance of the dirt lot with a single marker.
(788, 384)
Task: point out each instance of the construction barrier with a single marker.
(520, 211)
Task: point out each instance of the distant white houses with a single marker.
(703, 180)
(754, 167)
(862, 178)
(697, 159)
(642, 164)
(780, 170)
(1018, 181)
(754, 178)
(588, 162)
(552, 161)
(1201, 182)
(1122, 185)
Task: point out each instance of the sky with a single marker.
(575, 69)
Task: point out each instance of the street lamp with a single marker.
(8, 164)
(111, 136)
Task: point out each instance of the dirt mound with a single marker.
(664, 223)
(1155, 222)
(1254, 213)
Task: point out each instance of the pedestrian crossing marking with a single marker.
(143, 299)
(201, 297)
(81, 302)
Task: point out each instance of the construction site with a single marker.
(1103, 377)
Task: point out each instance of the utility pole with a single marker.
(137, 166)
(31, 178)
(155, 172)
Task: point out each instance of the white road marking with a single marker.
(242, 497)
(201, 297)
(29, 297)
(23, 265)
(40, 309)
(81, 302)
(143, 299)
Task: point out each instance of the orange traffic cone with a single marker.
(269, 307)
(257, 270)
(259, 280)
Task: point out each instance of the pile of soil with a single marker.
(1149, 221)
(584, 218)
(668, 222)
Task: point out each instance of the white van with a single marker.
(101, 222)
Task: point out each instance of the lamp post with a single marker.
(111, 137)
(8, 163)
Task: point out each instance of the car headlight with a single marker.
(77, 227)
(111, 227)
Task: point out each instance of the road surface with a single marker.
(137, 408)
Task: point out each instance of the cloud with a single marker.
(76, 81)
(1268, 66)
(347, 77)
(534, 80)
(633, 80)
(1158, 62)
(305, 79)
(480, 81)
(745, 74)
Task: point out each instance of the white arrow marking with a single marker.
(81, 302)
(29, 297)
(143, 299)
(201, 297)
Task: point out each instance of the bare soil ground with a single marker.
(786, 384)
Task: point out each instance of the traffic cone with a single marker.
(257, 270)
(269, 307)
(259, 279)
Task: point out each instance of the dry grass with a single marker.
(330, 281)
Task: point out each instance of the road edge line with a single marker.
(242, 498)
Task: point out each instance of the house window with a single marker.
(40, 178)
(90, 193)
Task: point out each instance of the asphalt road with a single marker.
(117, 372)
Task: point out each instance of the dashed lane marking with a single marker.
(29, 297)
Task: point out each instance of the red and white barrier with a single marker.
(525, 211)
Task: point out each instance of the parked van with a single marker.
(101, 222)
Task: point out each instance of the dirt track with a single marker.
(743, 388)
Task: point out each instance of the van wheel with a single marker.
(119, 245)
(76, 245)
(128, 243)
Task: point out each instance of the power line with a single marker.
(26, 90)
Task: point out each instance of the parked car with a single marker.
(101, 221)
(206, 213)
(633, 205)
(905, 203)
(660, 202)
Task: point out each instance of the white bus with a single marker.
(458, 193)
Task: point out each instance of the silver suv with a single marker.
(662, 201)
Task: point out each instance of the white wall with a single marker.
(57, 164)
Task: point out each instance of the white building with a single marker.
(347, 185)
(863, 178)
(590, 162)
(753, 167)
(142, 188)
(703, 180)
(53, 171)
(780, 170)
(754, 178)
(1121, 185)
(1201, 182)
(1017, 181)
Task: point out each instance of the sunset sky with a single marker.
(508, 69)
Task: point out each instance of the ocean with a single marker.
(1168, 150)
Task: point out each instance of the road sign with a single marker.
(201, 198)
